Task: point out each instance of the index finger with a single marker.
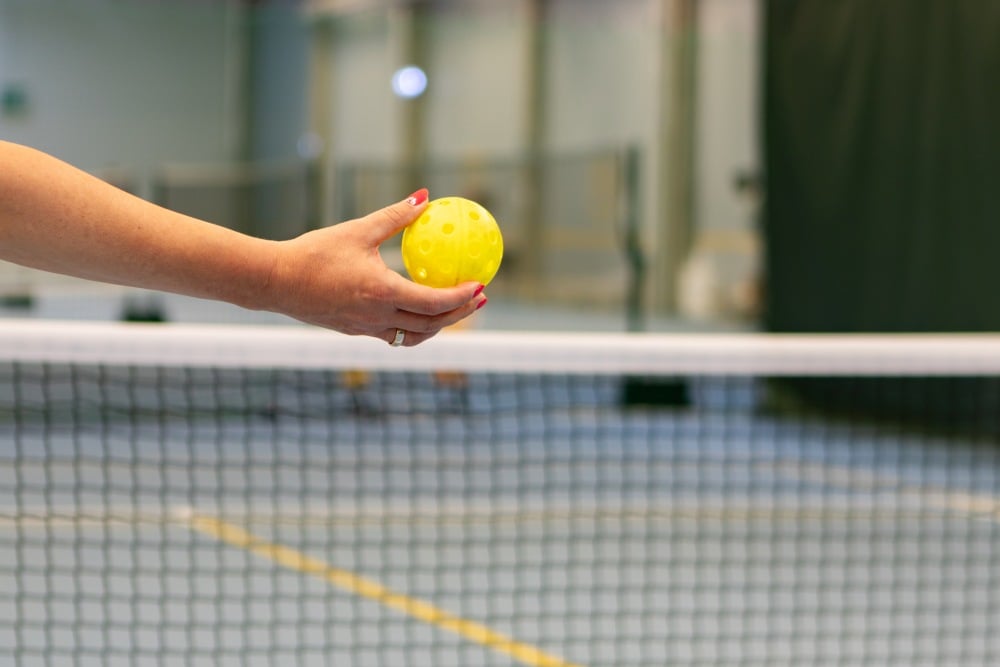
(424, 300)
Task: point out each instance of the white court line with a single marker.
(978, 505)
(702, 508)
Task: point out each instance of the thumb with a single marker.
(389, 221)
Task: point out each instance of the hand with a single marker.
(336, 278)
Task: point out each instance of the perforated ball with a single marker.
(454, 240)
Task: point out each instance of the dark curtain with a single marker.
(882, 157)
(882, 208)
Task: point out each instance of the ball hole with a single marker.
(474, 215)
(448, 228)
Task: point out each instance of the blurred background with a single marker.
(655, 165)
(786, 165)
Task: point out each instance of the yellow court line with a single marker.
(353, 583)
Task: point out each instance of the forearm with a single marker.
(57, 218)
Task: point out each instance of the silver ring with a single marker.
(400, 337)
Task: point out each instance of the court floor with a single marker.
(581, 534)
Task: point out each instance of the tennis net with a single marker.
(258, 496)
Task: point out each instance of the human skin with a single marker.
(58, 218)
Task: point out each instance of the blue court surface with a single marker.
(382, 520)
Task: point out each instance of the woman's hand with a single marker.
(336, 278)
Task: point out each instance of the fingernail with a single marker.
(479, 290)
(418, 197)
(482, 303)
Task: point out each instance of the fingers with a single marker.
(389, 221)
(415, 298)
(418, 311)
(427, 323)
(417, 328)
(407, 338)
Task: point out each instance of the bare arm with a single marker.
(57, 218)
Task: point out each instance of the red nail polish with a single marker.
(479, 290)
(418, 197)
(482, 303)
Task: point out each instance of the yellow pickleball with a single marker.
(455, 240)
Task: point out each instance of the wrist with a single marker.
(260, 275)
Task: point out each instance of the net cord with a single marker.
(301, 347)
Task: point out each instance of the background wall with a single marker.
(125, 84)
(278, 72)
(140, 83)
(479, 67)
(364, 118)
(604, 67)
(605, 70)
(728, 105)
